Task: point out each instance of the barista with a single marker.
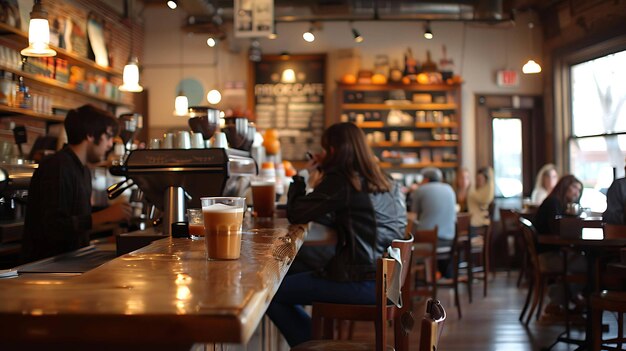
(58, 214)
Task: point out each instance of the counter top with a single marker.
(165, 292)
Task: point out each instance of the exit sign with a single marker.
(507, 78)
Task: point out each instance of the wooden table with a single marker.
(593, 249)
(166, 294)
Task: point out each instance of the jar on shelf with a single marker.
(6, 88)
(22, 96)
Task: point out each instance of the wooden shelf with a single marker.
(396, 86)
(434, 143)
(426, 107)
(64, 86)
(62, 53)
(418, 165)
(30, 113)
(380, 125)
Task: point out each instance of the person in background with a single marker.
(479, 199)
(367, 211)
(58, 213)
(615, 199)
(546, 179)
(567, 190)
(463, 183)
(434, 203)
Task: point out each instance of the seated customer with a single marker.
(434, 202)
(615, 199)
(58, 214)
(567, 190)
(547, 177)
(368, 213)
(479, 199)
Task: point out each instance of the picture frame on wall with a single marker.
(97, 49)
(253, 18)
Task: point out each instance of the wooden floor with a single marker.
(490, 323)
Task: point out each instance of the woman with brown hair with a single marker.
(567, 190)
(367, 211)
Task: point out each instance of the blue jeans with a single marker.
(286, 309)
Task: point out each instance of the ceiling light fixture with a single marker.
(358, 38)
(274, 34)
(531, 67)
(172, 4)
(211, 42)
(181, 103)
(308, 36)
(428, 32)
(38, 33)
(131, 70)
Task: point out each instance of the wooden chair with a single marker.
(326, 315)
(424, 261)
(608, 301)
(432, 326)
(479, 251)
(510, 225)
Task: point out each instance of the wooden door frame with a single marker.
(533, 142)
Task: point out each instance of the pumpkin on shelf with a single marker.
(348, 79)
(271, 142)
(379, 79)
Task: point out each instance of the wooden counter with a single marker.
(165, 293)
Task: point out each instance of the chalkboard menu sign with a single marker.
(289, 96)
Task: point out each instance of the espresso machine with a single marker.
(14, 183)
(174, 179)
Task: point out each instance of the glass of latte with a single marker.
(223, 218)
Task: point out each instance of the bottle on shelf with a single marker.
(22, 96)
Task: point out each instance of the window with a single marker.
(507, 156)
(598, 122)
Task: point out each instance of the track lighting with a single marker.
(173, 4)
(38, 33)
(428, 32)
(308, 36)
(358, 38)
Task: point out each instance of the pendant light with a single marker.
(531, 67)
(214, 96)
(131, 70)
(38, 33)
(181, 104)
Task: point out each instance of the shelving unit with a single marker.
(409, 127)
(14, 39)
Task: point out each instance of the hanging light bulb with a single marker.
(531, 67)
(358, 38)
(274, 34)
(172, 4)
(131, 70)
(214, 97)
(38, 33)
(131, 76)
(428, 32)
(308, 36)
(181, 104)
(211, 42)
(288, 76)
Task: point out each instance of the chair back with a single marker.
(432, 326)
(530, 235)
(463, 224)
(509, 221)
(406, 252)
(411, 223)
(614, 231)
(384, 275)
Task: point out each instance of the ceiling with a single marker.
(345, 10)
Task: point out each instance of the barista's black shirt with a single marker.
(58, 213)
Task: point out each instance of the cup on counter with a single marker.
(155, 143)
(219, 140)
(183, 140)
(223, 219)
(263, 195)
(196, 223)
(168, 141)
(197, 141)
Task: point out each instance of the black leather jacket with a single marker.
(366, 223)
